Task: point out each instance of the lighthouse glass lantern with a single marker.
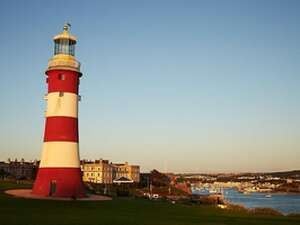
(59, 173)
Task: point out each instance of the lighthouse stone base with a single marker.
(27, 193)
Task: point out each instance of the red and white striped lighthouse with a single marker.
(59, 172)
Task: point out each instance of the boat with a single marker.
(268, 196)
(213, 191)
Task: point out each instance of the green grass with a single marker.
(122, 212)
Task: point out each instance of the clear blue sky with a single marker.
(181, 86)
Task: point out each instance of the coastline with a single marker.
(256, 210)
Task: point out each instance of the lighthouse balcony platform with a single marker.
(64, 62)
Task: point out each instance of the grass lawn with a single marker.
(122, 212)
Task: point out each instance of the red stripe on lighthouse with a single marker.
(61, 128)
(63, 80)
(66, 182)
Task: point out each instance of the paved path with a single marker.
(26, 193)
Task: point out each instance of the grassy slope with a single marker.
(122, 212)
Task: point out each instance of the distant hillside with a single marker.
(291, 174)
(282, 174)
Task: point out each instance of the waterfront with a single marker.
(284, 203)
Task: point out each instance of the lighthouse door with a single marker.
(52, 187)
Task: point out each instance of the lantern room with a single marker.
(64, 43)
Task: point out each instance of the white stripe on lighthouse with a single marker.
(60, 154)
(62, 104)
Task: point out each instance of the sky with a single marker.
(181, 86)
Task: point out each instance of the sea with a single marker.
(284, 203)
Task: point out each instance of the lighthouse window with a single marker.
(72, 48)
(64, 46)
(55, 48)
(61, 76)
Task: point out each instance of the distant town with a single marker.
(247, 182)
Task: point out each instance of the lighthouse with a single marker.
(59, 173)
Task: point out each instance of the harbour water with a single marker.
(284, 203)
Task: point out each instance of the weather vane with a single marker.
(67, 26)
